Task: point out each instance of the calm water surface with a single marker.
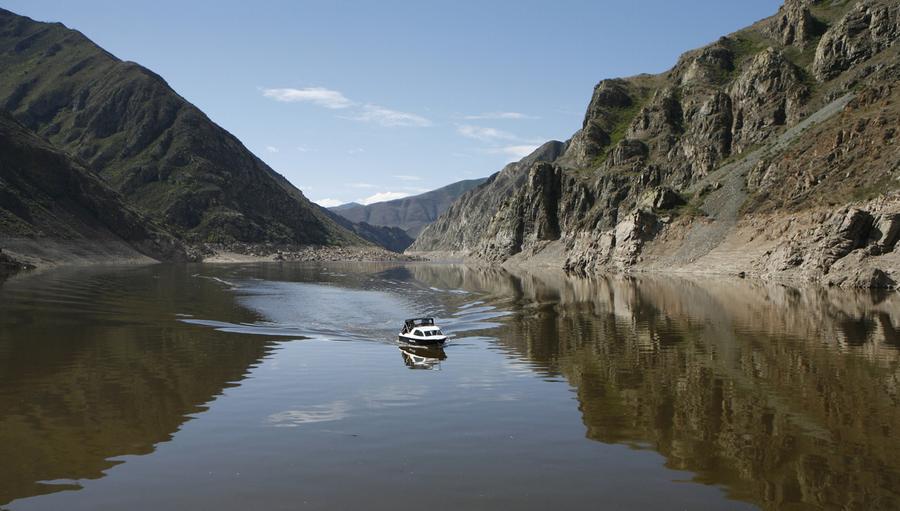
(282, 387)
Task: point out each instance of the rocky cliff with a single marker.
(771, 151)
(162, 154)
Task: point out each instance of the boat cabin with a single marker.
(421, 331)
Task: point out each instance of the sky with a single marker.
(374, 100)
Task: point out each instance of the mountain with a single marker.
(162, 154)
(772, 152)
(53, 208)
(349, 205)
(394, 239)
(411, 214)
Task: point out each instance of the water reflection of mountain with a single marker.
(786, 397)
(112, 373)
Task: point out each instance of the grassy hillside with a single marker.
(165, 156)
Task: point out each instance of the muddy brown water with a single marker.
(282, 386)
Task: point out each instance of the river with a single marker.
(282, 386)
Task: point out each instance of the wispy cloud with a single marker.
(365, 112)
(316, 95)
(362, 185)
(516, 151)
(484, 134)
(328, 203)
(356, 150)
(499, 116)
(389, 118)
(382, 196)
(271, 149)
(303, 149)
(406, 177)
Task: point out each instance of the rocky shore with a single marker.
(245, 252)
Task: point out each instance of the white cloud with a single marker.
(302, 149)
(271, 149)
(316, 95)
(333, 99)
(356, 150)
(389, 118)
(405, 177)
(483, 134)
(328, 203)
(499, 115)
(517, 151)
(382, 196)
(362, 185)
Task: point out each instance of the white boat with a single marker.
(421, 331)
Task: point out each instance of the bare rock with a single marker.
(851, 234)
(588, 143)
(867, 278)
(708, 140)
(866, 29)
(627, 151)
(885, 233)
(767, 95)
(794, 24)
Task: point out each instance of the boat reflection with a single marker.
(423, 357)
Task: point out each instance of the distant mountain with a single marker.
(165, 157)
(411, 214)
(52, 208)
(349, 205)
(391, 238)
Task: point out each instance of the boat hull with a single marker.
(435, 340)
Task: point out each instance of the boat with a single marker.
(421, 331)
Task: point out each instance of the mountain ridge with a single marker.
(412, 213)
(165, 156)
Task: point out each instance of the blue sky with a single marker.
(369, 100)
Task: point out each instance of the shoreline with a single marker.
(62, 253)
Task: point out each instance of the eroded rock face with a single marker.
(709, 137)
(662, 116)
(617, 248)
(794, 24)
(869, 27)
(610, 96)
(628, 151)
(705, 66)
(767, 95)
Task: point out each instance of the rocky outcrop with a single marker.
(764, 97)
(794, 24)
(720, 164)
(610, 99)
(869, 27)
